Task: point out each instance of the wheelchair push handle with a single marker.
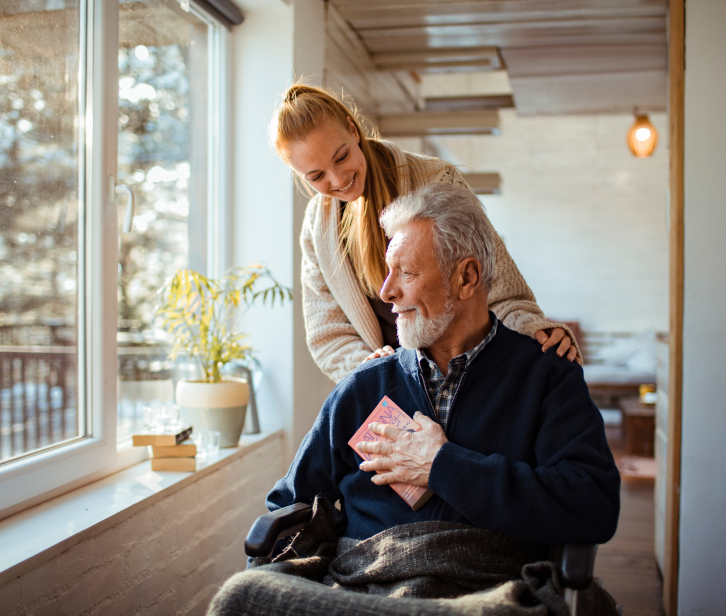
(273, 526)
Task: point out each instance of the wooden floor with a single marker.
(626, 563)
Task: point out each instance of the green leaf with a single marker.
(197, 311)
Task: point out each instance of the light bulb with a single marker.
(642, 134)
(642, 137)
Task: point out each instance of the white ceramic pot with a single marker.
(214, 406)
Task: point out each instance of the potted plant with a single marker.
(201, 314)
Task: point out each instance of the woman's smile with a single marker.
(349, 186)
(331, 161)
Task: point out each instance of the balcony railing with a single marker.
(38, 398)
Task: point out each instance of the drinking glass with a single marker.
(161, 417)
(168, 416)
(207, 442)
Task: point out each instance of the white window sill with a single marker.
(30, 538)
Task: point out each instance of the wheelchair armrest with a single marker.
(269, 528)
(578, 562)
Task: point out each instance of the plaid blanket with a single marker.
(426, 568)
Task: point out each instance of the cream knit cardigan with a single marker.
(342, 329)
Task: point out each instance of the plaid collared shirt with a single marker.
(442, 389)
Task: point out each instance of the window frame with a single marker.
(24, 481)
(219, 146)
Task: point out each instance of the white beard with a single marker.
(418, 332)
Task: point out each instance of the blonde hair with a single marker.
(303, 110)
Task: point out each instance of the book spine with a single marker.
(163, 440)
(174, 464)
(183, 436)
(173, 451)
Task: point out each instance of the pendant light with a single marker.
(642, 137)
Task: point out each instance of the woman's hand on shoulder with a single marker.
(551, 337)
(384, 352)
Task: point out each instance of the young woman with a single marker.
(344, 247)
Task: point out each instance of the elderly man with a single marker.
(510, 440)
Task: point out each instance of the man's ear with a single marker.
(468, 276)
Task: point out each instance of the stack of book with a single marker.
(170, 451)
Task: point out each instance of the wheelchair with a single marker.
(576, 566)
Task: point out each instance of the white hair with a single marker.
(461, 228)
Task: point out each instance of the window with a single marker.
(39, 228)
(163, 156)
(96, 93)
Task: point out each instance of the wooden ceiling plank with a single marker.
(542, 39)
(485, 83)
(481, 58)
(439, 67)
(484, 183)
(339, 29)
(499, 6)
(591, 59)
(421, 123)
(457, 53)
(601, 93)
(396, 17)
(564, 26)
(568, 56)
(349, 69)
(469, 103)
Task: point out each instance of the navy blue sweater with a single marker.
(526, 456)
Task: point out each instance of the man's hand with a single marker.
(409, 458)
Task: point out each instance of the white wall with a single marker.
(276, 43)
(584, 220)
(310, 385)
(262, 211)
(703, 487)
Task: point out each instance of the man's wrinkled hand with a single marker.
(409, 458)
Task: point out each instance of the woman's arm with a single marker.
(334, 343)
(510, 298)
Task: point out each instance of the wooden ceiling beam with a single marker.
(364, 13)
(584, 59)
(503, 6)
(484, 183)
(516, 39)
(469, 103)
(423, 123)
(485, 58)
(398, 17)
(569, 56)
(485, 28)
(461, 66)
(596, 94)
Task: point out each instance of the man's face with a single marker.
(415, 287)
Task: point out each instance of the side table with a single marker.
(638, 426)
